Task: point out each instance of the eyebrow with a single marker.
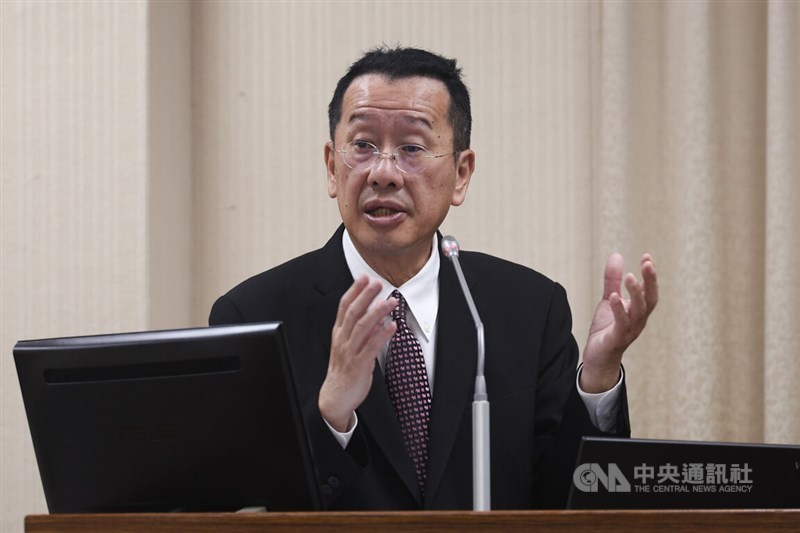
(416, 121)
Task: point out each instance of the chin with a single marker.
(384, 246)
(380, 243)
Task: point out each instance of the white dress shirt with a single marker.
(422, 296)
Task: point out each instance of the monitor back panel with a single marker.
(157, 421)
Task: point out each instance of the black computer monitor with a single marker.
(202, 419)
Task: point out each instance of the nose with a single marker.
(384, 172)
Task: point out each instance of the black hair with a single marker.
(397, 63)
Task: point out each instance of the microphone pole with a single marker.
(481, 471)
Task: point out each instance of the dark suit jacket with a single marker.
(537, 416)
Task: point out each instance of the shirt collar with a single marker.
(421, 291)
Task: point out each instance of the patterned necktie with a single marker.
(407, 381)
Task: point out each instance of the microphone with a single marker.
(481, 471)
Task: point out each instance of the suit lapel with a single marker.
(331, 281)
(378, 416)
(376, 413)
(456, 359)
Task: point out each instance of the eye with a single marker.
(363, 147)
(412, 150)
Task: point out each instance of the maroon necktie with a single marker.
(407, 381)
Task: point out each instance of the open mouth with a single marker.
(382, 212)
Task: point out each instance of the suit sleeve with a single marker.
(561, 415)
(336, 468)
(224, 312)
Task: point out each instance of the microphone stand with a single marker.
(481, 463)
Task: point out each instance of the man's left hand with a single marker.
(617, 322)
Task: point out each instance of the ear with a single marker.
(465, 166)
(330, 165)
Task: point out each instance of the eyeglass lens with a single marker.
(408, 158)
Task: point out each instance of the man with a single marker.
(388, 401)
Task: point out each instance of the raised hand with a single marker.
(617, 322)
(362, 327)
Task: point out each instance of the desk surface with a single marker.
(589, 521)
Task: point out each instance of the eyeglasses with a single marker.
(408, 158)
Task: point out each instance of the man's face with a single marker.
(390, 214)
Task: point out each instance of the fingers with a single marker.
(643, 295)
(381, 332)
(349, 297)
(612, 276)
(637, 310)
(621, 317)
(650, 282)
(356, 302)
(360, 319)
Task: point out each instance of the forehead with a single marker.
(416, 100)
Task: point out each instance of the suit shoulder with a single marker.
(271, 295)
(284, 278)
(504, 271)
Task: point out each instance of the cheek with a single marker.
(348, 190)
(441, 190)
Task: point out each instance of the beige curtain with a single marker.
(698, 159)
(156, 153)
(692, 148)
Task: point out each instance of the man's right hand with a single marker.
(361, 329)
